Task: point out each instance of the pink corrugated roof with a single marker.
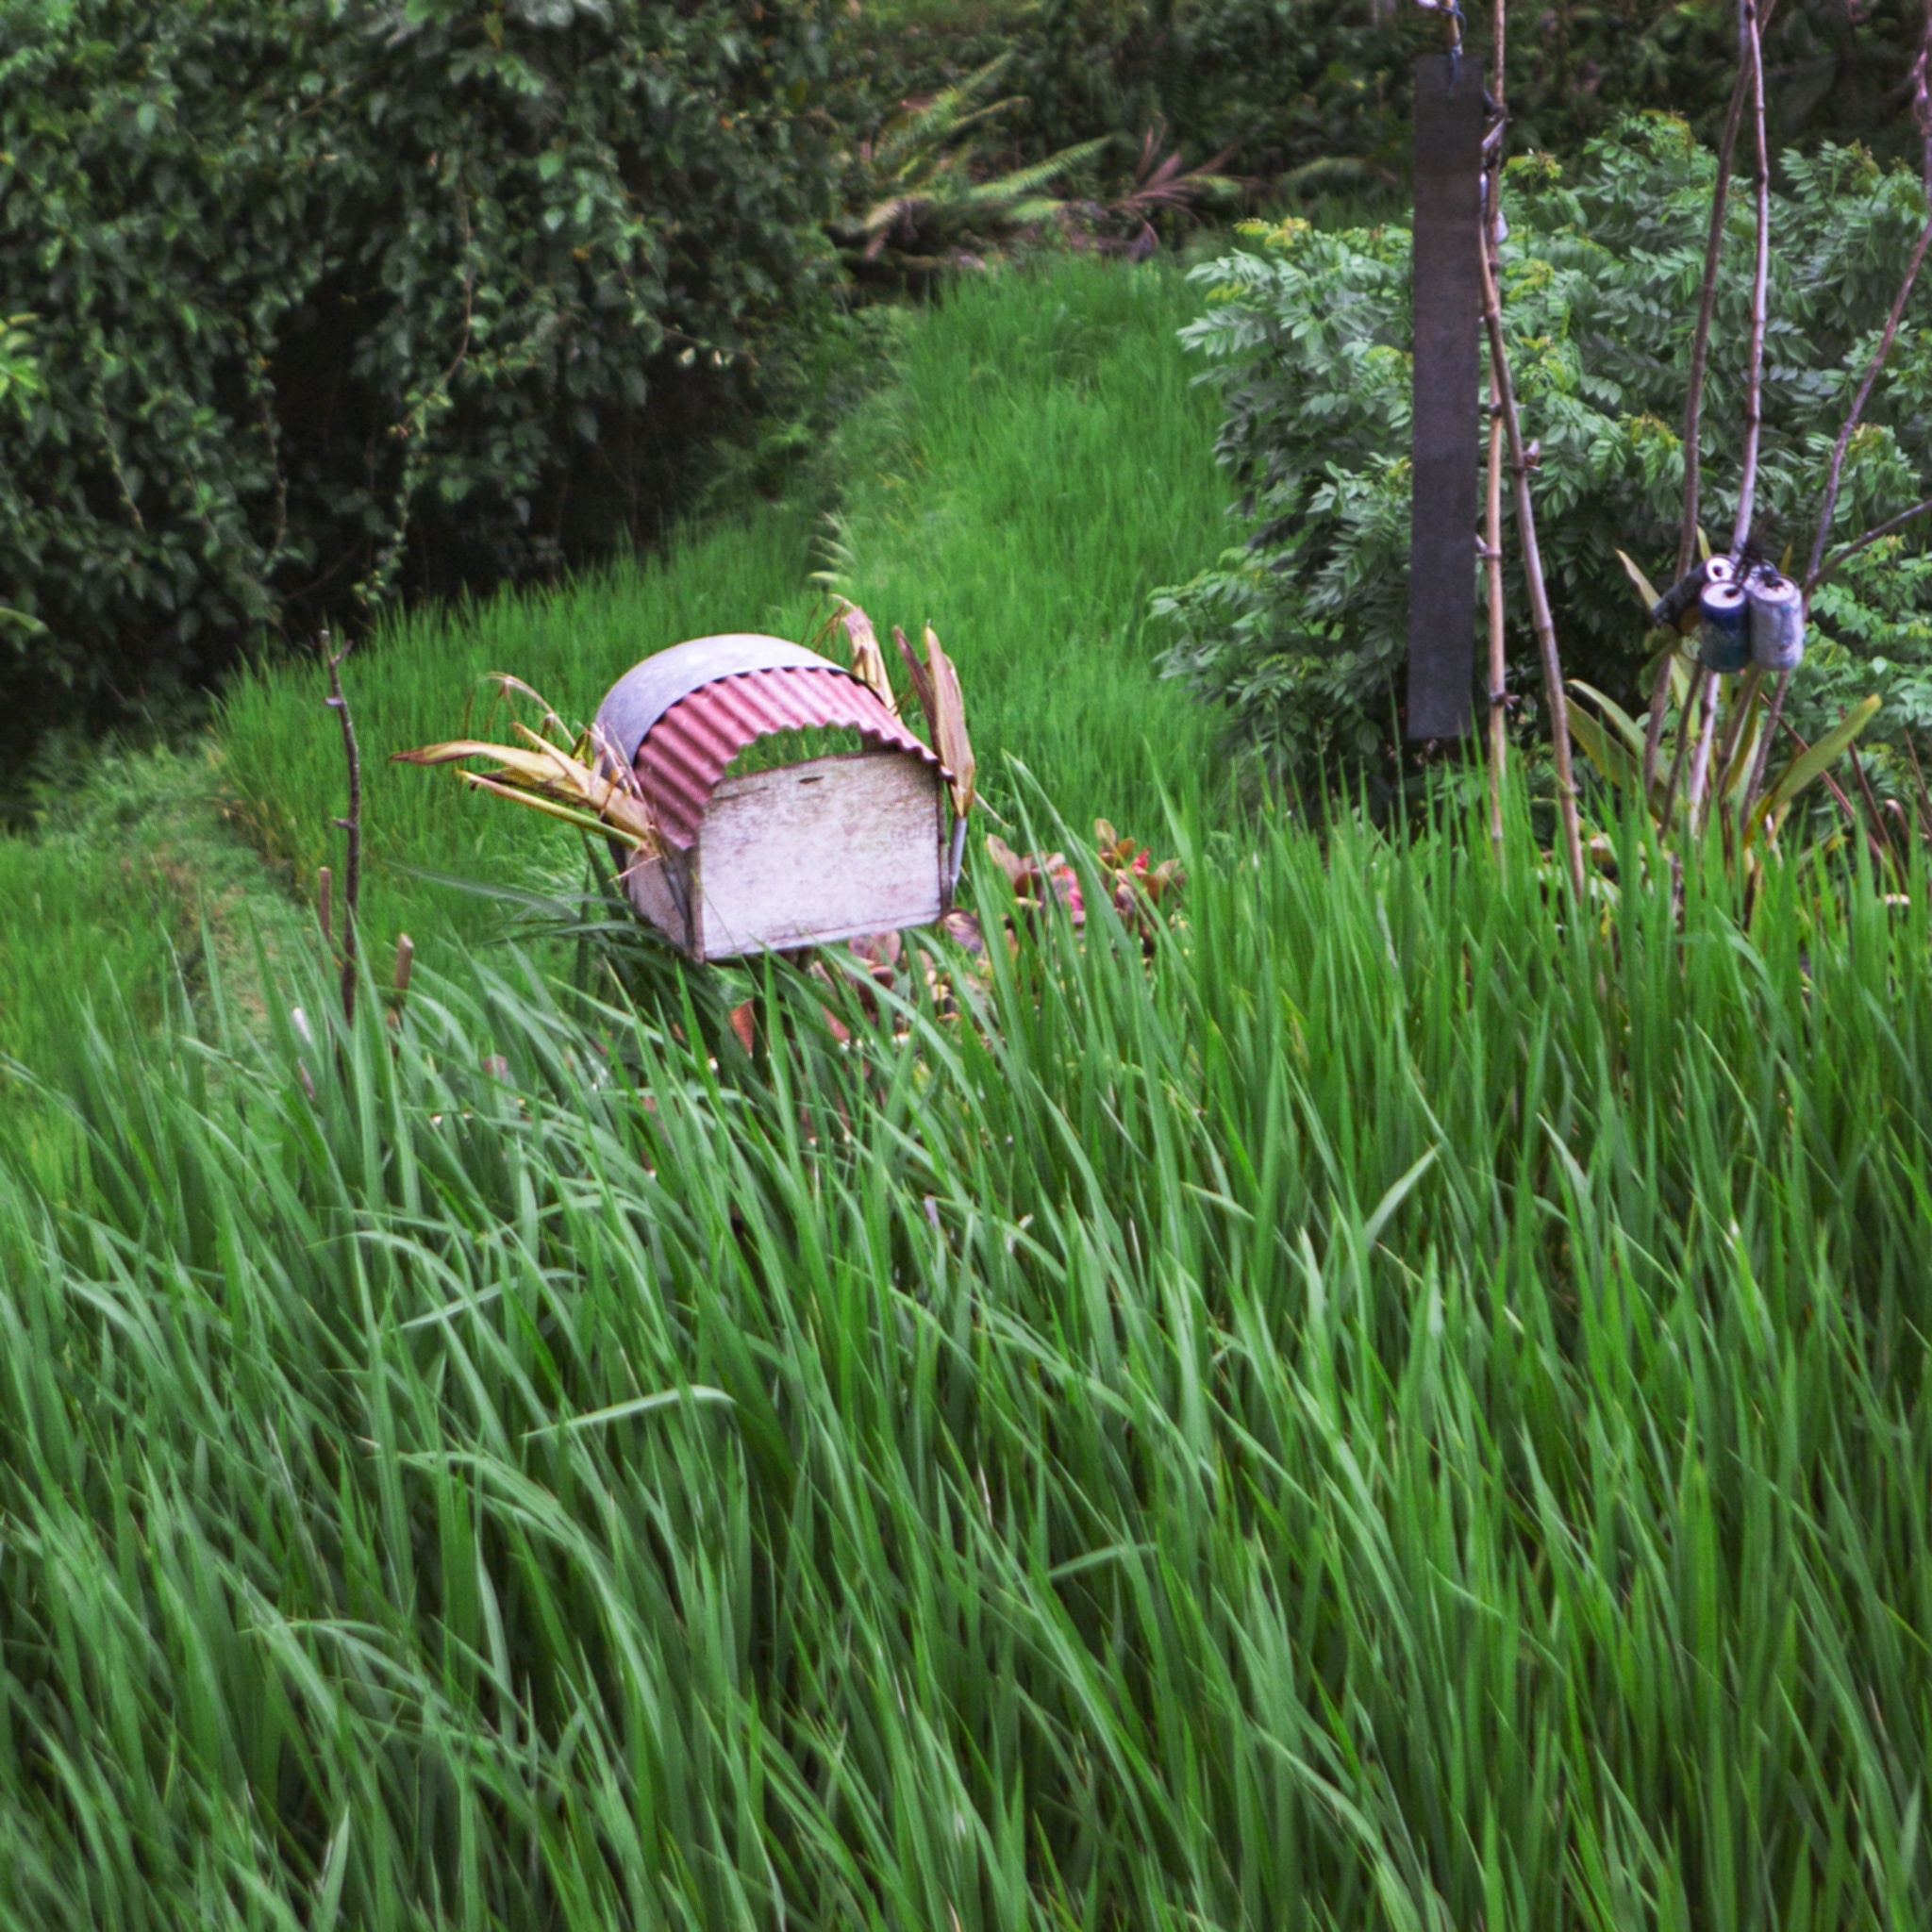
(685, 751)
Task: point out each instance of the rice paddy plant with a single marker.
(74, 926)
(1403, 1409)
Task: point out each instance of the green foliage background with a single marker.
(307, 304)
(1300, 629)
(335, 297)
(1319, 93)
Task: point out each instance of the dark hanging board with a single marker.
(1448, 305)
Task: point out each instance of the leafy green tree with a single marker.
(339, 296)
(1316, 96)
(1300, 630)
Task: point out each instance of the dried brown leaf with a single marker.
(949, 725)
(868, 661)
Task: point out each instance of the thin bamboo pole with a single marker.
(352, 824)
(1752, 53)
(1492, 493)
(1700, 340)
(1700, 765)
(1693, 415)
(1545, 625)
(1492, 565)
(1699, 679)
(1751, 62)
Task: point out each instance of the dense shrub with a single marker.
(333, 296)
(1321, 94)
(1300, 629)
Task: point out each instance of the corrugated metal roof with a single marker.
(685, 751)
(635, 703)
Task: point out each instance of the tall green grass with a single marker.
(420, 682)
(78, 918)
(1036, 465)
(112, 902)
(1406, 1409)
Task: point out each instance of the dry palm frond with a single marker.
(560, 784)
(868, 660)
(948, 713)
(922, 680)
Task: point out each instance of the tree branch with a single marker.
(1870, 536)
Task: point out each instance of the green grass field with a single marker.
(1400, 1408)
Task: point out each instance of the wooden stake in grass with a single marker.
(1493, 567)
(351, 824)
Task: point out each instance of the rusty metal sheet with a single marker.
(686, 752)
(1446, 421)
(647, 691)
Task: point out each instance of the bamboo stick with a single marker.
(1492, 492)
(1753, 52)
(1492, 565)
(1505, 394)
(352, 824)
(1750, 62)
(1699, 679)
(1700, 765)
(1693, 415)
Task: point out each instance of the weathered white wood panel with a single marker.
(817, 852)
(660, 889)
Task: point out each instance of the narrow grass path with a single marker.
(1054, 465)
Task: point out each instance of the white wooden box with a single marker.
(803, 856)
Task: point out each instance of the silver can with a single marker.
(1777, 623)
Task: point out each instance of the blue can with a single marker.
(1724, 641)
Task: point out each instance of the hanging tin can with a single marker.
(1777, 621)
(1724, 636)
(1677, 609)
